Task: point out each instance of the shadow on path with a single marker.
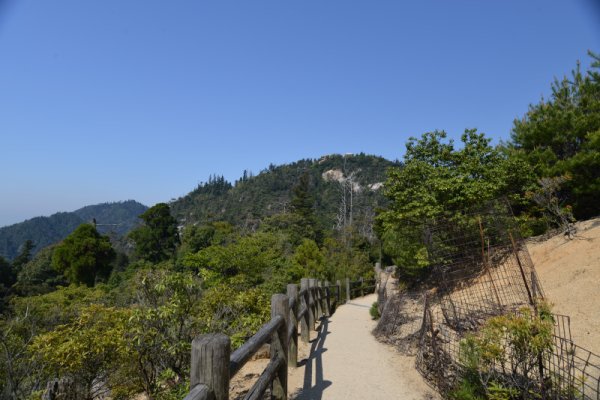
(315, 363)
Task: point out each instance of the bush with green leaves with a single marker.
(374, 311)
(503, 359)
(90, 351)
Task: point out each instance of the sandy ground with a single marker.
(347, 362)
(569, 271)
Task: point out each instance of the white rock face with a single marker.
(333, 175)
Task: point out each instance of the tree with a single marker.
(438, 180)
(7, 278)
(6, 273)
(243, 263)
(84, 256)
(158, 238)
(38, 275)
(309, 260)
(561, 137)
(303, 206)
(24, 256)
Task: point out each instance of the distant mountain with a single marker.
(252, 198)
(115, 218)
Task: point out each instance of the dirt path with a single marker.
(569, 271)
(346, 362)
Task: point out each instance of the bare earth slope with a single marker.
(347, 362)
(569, 271)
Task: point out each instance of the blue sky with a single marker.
(129, 99)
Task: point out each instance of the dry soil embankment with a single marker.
(569, 271)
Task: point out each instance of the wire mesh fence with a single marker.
(482, 269)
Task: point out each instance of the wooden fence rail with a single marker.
(213, 364)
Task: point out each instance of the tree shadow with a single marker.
(314, 362)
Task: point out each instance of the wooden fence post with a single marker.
(327, 311)
(313, 302)
(338, 293)
(348, 298)
(319, 312)
(279, 346)
(210, 363)
(305, 322)
(292, 292)
(362, 288)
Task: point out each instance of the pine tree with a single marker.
(158, 238)
(303, 206)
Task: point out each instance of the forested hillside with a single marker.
(251, 199)
(118, 218)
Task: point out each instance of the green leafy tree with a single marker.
(157, 239)
(342, 261)
(308, 261)
(290, 224)
(560, 136)
(84, 256)
(38, 276)
(438, 180)
(246, 262)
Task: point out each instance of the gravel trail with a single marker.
(347, 362)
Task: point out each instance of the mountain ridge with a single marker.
(250, 200)
(118, 217)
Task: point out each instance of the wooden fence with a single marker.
(213, 364)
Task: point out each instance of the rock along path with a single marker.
(346, 362)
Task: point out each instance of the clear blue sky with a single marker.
(106, 100)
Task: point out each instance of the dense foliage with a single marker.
(125, 327)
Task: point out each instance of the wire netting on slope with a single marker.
(482, 269)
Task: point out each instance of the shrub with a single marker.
(502, 360)
(374, 311)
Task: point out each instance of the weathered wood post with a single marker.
(348, 298)
(306, 320)
(292, 292)
(327, 300)
(362, 288)
(210, 363)
(312, 283)
(319, 299)
(279, 345)
(338, 293)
